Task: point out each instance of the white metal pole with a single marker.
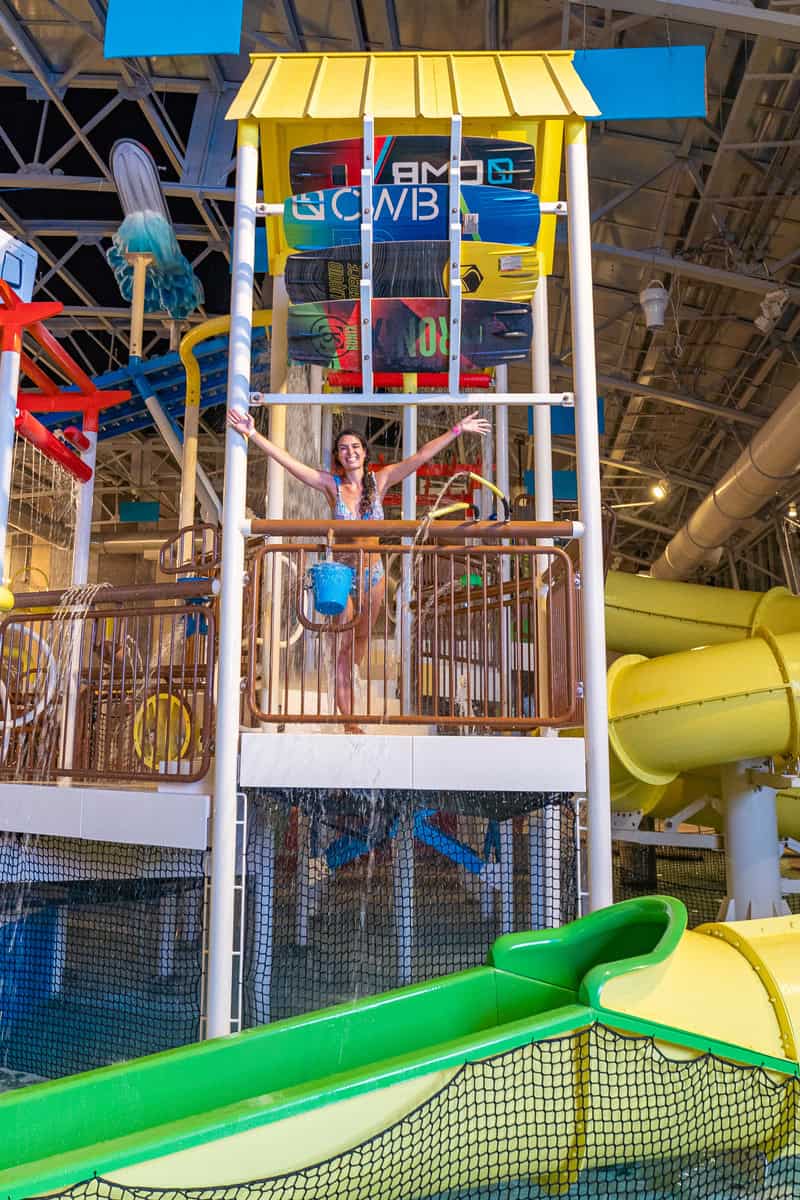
(542, 440)
(544, 826)
(278, 367)
(83, 515)
(9, 386)
(223, 843)
(276, 483)
(80, 574)
(409, 513)
(752, 850)
(403, 887)
(503, 480)
(588, 450)
(502, 454)
(263, 877)
(315, 383)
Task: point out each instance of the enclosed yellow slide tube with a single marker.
(654, 616)
(699, 708)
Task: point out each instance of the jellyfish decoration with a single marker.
(171, 285)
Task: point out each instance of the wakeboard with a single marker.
(488, 271)
(408, 212)
(409, 335)
(495, 162)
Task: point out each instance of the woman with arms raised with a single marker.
(356, 494)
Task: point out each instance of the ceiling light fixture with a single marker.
(772, 307)
(653, 300)
(660, 490)
(792, 511)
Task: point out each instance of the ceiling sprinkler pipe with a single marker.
(769, 462)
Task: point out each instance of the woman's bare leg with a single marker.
(349, 655)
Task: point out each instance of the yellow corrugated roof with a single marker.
(508, 85)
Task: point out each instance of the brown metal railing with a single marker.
(119, 689)
(195, 548)
(456, 636)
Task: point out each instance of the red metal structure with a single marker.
(47, 395)
(433, 379)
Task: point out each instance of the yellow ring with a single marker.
(151, 711)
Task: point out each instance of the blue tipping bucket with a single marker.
(331, 583)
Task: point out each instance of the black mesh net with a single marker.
(354, 893)
(100, 953)
(596, 1114)
(695, 876)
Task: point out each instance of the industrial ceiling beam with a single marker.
(27, 47)
(719, 14)
(9, 180)
(632, 388)
(657, 261)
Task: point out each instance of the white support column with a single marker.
(83, 515)
(262, 915)
(278, 366)
(326, 439)
(403, 890)
(544, 827)
(223, 842)
(302, 878)
(503, 481)
(276, 481)
(9, 386)
(365, 286)
(506, 876)
(588, 450)
(325, 432)
(542, 440)
(454, 227)
(752, 850)
(80, 575)
(167, 935)
(488, 498)
(409, 513)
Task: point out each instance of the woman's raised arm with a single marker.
(395, 472)
(244, 425)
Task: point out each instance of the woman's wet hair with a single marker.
(369, 488)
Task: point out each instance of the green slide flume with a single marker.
(280, 1098)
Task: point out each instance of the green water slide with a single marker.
(505, 1056)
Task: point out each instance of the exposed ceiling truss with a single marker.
(708, 207)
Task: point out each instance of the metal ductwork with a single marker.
(770, 460)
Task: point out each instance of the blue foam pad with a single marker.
(652, 82)
(143, 28)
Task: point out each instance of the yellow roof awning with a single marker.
(298, 99)
(513, 85)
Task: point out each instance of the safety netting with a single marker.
(100, 953)
(355, 892)
(694, 875)
(593, 1114)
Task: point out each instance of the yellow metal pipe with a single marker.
(214, 327)
(652, 616)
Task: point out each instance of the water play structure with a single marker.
(571, 1051)
(331, 865)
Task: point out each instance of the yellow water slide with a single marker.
(654, 616)
(723, 686)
